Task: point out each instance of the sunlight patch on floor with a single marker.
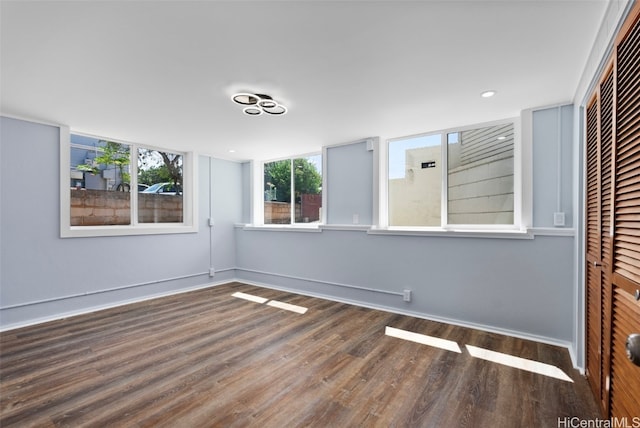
(287, 306)
(273, 303)
(423, 339)
(518, 363)
(249, 297)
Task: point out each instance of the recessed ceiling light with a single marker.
(502, 138)
(488, 94)
(232, 151)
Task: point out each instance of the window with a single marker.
(160, 198)
(115, 188)
(100, 182)
(454, 178)
(293, 190)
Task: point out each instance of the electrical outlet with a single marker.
(558, 219)
(406, 295)
(212, 271)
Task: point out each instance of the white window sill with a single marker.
(352, 227)
(461, 233)
(283, 227)
(396, 231)
(146, 229)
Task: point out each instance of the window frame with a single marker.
(189, 192)
(258, 183)
(521, 186)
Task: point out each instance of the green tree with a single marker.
(155, 166)
(277, 179)
(154, 175)
(115, 154)
(307, 178)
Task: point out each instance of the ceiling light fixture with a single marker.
(256, 104)
(488, 94)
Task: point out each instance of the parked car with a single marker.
(142, 187)
(164, 189)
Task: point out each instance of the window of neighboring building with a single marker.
(453, 178)
(118, 188)
(293, 191)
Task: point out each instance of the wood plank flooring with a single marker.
(206, 358)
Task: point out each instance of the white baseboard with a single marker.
(430, 317)
(91, 309)
(461, 323)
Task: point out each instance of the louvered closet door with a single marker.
(593, 275)
(625, 376)
(598, 237)
(606, 191)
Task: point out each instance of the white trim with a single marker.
(257, 192)
(350, 227)
(444, 179)
(551, 231)
(65, 180)
(375, 181)
(442, 233)
(298, 227)
(395, 231)
(324, 212)
(526, 171)
(518, 173)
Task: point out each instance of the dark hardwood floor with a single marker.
(206, 358)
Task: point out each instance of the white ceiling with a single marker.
(162, 72)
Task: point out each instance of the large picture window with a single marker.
(111, 187)
(293, 191)
(453, 178)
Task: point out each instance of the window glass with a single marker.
(308, 189)
(277, 192)
(480, 176)
(160, 181)
(474, 186)
(296, 196)
(100, 181)
(415, 181)
(111, 188)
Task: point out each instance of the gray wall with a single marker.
(553, 165)
(518, 286)
(512, 285)
(43, 276)
(349, 184)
